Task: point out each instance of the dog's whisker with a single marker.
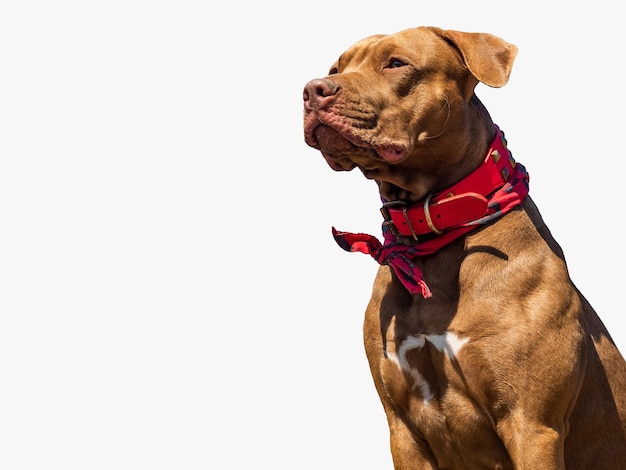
(445, 123)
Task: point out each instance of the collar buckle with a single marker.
(384, 210)
(388, 222)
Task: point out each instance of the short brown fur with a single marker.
(540, 383)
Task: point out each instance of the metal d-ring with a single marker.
(429, 221)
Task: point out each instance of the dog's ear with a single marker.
(488, 58)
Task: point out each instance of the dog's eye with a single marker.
(333, 71)
(396, 63)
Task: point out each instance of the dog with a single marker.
(483, 352)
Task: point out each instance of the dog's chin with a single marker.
(339, 163)
(338, 151)
(344, 152)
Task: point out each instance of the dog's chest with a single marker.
(426, 356)
(422, 367)
(426, 375)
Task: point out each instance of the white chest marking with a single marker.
(448, 343)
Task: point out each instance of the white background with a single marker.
(170, 293)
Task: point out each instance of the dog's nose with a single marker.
(318, 91)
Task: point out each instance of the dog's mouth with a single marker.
(345, 151)
(331, 141)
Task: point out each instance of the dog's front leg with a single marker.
(409, 452)
(406, 451)
(533, 446)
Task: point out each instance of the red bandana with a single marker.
(499, 182)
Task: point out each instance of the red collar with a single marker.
(493, 189)
(464, 202)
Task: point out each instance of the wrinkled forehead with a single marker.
(413, 42)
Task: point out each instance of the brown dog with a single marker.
(483, 352)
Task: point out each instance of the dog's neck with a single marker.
(439, 161)
(465, 202)
(493, 189)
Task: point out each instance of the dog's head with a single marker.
(402, 108)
